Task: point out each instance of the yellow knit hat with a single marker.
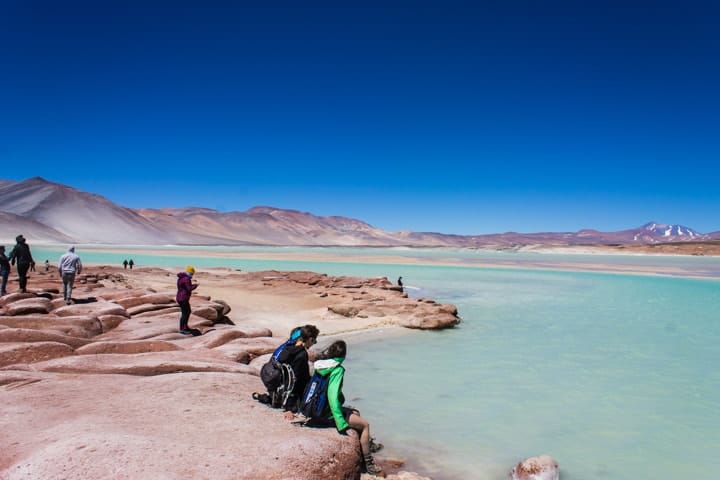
(190, 269)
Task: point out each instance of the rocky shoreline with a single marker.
(107, 388)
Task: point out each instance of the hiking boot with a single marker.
(186, 331)
(374, 446)
(372, 468)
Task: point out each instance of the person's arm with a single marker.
(79, 266)
(334, 393)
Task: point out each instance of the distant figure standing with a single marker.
(69, 265)
(21, 254)
(4, 269)
(400, 284)
(131, 263)
(185, 288)
(125, 264)
(47, 265)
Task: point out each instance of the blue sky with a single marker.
(458, 117)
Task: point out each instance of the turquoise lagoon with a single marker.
(614, 375)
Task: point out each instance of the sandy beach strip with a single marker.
(576, 259)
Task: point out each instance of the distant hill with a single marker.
(48, 212)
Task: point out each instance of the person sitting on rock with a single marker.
(296, 355)
(185, 287)
(338, 415)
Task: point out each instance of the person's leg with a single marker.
(68, 281)
(71, 284)
(22, 269)
(363, 428)
(4, 275)
(184, 314)
(65, 286)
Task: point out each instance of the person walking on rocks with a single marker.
(131, 263)
(335, 413)
(69, 265)
(21, 255)
(185, 287)
(4, 269)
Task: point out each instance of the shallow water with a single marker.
(613, 375)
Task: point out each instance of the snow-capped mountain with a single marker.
(654, 232)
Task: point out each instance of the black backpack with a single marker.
(278, 378)
(314, 402)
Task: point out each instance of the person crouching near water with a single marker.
(296, 355)
(68, 266)
(185, 287)
(338, 415)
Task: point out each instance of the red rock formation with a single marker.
(107, 388)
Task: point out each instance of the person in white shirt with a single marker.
(68, 266)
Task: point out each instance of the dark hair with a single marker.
(337, 349)
(309, 331)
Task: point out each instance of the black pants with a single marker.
(184, 314)
(22, 269)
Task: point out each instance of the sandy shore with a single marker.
(278, 307)
(576, 258)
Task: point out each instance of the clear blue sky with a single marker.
(458, 117)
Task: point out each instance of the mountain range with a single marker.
(47, 212)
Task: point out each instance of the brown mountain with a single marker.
(49, 212)
(267, 226)
(73, 214)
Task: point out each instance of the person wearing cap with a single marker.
(68, 266)
(4, 269)
(185, 287)
(21, 254)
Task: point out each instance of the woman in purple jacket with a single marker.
(185, 288)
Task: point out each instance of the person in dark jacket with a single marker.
(22, 256)
(296, 355)
(4, 269)
(185, 287)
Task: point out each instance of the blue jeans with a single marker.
(4, 274)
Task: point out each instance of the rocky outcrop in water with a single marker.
(542, 467)
(364, 298)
